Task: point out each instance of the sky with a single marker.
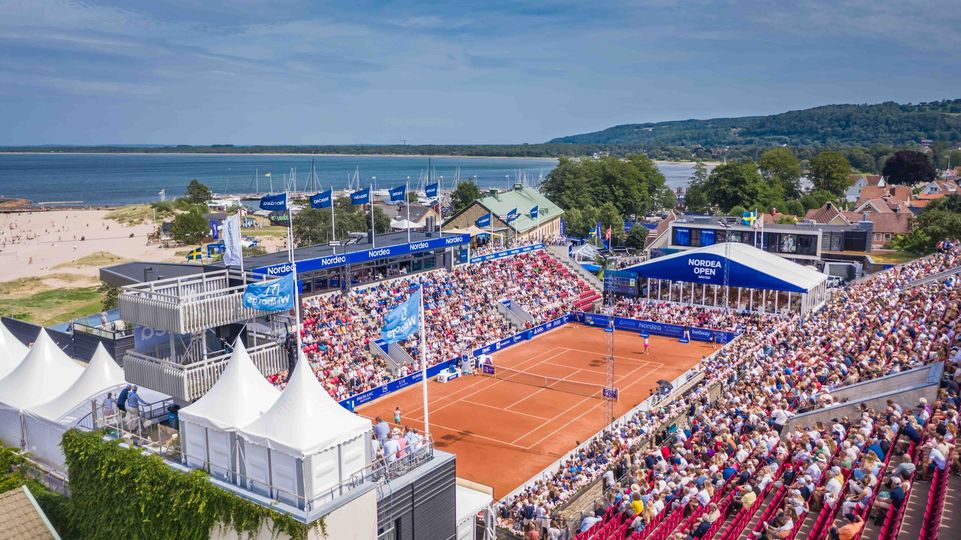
(359, 72)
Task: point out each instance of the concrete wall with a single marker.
(905, 398)
(890, 383)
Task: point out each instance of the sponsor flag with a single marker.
(534, 212)
(563, 228)
(598, 230)
(397, 194)
(195, 254)
(275, 295)
(431, 190)
(484, 221)
(403, 321)
(233, 248)
(361, 196)
(214, 229)
(274, 203)
(511, 215)
(323, 199)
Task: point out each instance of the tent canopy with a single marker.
(45, 373)
(12, 351)
(746, 265)
(240, 396)
(101, 376)
(305, 420)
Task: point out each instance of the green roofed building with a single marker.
(524, 227)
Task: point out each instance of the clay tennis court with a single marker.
(505, 432)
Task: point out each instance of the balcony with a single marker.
(187, 382)
(190, 304)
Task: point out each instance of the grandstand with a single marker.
(834, 411)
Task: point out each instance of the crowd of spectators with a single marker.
(778, 367)
(460, 309)
(682, 315)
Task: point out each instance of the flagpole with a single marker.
(333, 230)
(293, 266)
(423, 362)
(406, 196)
(373, 230)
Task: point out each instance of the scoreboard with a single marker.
(620, 282)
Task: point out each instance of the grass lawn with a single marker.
(892, 257)
(274, 231)
(51, 306)
(134, 214)
(98, 259)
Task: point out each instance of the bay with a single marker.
(112, 179)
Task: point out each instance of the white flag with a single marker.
(233, 249)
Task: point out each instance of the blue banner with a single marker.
(397, 194)
(430, 190)
(534, 211)
(506, 253)
(403, 321)
(323, 199)
(274, 203)
(657, 328)
(276, 295)
(484, 221)
(563, 228)
(361, 196)
(511, 215)
(707, 237)
(214, 229)
(366, 255)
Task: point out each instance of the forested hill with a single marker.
(831, 125)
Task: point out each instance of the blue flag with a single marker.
(511, 215)
(534, 211)
(484, 221)
(275, 295)
(397, 194)
(403, 321)
(431, 190)
(361, 196)
(322, 200)
(274, 203)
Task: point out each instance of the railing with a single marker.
(111, 335)
(190, 381)
(188, 304)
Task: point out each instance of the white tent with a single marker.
(45, 373)
(44, 425)
(12, 351)
(208, 427)
(305, 445)
(403, 225)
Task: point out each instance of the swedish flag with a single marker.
(748, 218)
(196, 255)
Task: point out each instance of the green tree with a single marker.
(930, 227)
(794, 207)
(831, 171)
(198, 193)
(817, 198)
(951, 203)
(695, 197)
(861, 160)
(464, 194)
(189, 228)
(312, 225)
(637, 237)
(109, 295)
(782, 166)
(608, 216)
(735, 183)
(908, 167)
(633, 184)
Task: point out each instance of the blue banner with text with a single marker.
(506, 253)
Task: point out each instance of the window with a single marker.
(682, 236)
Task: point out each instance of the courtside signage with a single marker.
(359, 257)
(656, 328)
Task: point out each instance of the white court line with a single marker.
(578, 416)
(502, 409)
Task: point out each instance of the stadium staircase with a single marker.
(560, 253)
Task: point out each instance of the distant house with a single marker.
(828, 214)
(860, 181)
(890, 193)
(420, 216)
(887, 221)
(939, 188)
(499, 204)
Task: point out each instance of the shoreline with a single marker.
(274, 154)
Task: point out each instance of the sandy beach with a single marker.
(35, 244)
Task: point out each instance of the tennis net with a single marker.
(544, 381)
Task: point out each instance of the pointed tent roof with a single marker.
(748, 267)
(240, 395)
(45, 373)
(12, 351)
(102, 375)
(305, 420)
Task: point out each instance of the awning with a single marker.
(733, 264)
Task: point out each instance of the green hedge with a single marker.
(119, 493)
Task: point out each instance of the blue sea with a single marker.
(110, 179)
